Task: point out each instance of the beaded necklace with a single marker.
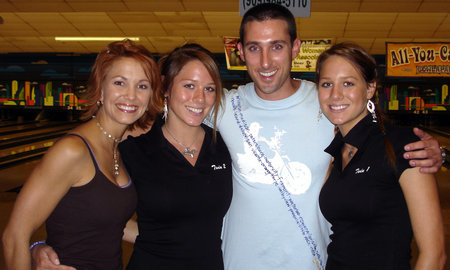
(116, 141)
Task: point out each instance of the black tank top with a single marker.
(86, 227)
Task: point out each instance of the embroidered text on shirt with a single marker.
(219, 167)
(358, 170)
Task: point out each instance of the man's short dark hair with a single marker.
(269, 11)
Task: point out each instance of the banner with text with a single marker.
(308, 54)
(304, 62)
(418, 59)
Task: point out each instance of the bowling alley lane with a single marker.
(9, 133)
(32, 127)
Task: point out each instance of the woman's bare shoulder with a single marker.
(69, 148)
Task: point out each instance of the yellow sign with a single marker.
(308, 54)
(418, 59)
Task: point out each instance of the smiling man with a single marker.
(276, 136)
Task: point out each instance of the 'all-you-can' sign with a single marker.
(418, 59)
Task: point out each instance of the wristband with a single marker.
(37, 243)
(443, 154)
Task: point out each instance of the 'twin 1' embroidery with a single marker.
(358, 170)
(277, 180)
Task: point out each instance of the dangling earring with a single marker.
(319, 116)
(165, 109)
(371, 109)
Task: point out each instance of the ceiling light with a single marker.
(95, 38)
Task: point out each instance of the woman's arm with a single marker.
(59, 169)
(131, 231)
(421, 194)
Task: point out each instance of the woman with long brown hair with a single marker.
(182, 169)
(373, 199)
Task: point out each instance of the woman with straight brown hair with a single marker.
(373, 198)
(182, 169)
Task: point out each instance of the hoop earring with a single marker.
(371, 109)
(165, 110)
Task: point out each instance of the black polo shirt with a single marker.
(180, 206)
(364, 202)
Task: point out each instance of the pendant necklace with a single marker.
(350, 152)
(115, 155)
(187, 149)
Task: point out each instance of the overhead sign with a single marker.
(304, 62)
(418, 59)
(299, 8)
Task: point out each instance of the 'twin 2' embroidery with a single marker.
(219, 167)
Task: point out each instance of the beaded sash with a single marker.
(277, 180)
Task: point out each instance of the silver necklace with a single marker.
(351, 152)
(115, 155)
(187, 149)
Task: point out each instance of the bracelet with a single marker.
(37, 243)
(443, 154)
